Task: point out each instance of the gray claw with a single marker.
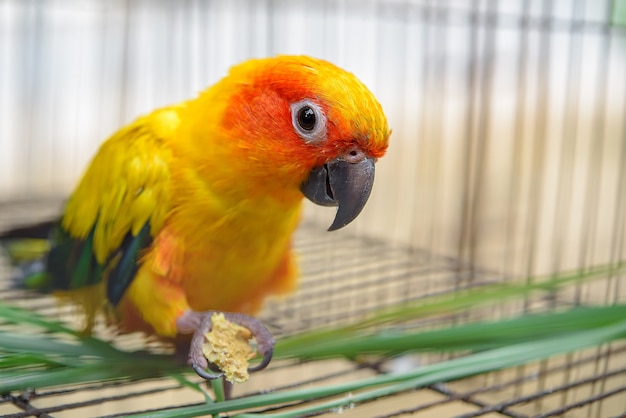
(204, 374)
(267, 357)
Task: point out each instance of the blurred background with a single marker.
(507, 116)
(508, 152)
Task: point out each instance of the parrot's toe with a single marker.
(196, 358)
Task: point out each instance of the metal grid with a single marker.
(343, 278)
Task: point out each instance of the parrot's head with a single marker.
(305, 124)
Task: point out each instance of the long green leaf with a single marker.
(61, 355)
(473, 336)
(449, 370)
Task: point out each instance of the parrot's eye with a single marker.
(308, 120)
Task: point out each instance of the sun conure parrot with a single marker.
(191, 209)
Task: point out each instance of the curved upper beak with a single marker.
(341, 183)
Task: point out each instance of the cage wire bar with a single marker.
(507, 161)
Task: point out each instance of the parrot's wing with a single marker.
(116, 210)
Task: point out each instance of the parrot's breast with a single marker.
(233, 262)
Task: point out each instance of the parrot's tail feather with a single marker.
(89, 301)
(24, 251)
(32, 275)
(26, 248)
(39, 230)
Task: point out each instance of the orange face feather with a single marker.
(257, 117)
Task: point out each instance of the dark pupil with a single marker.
(306, 118)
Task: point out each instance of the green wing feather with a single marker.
(126, 267)
(70, 263)
(119, 205)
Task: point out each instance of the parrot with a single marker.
(191, 209)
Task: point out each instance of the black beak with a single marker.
(341, 183)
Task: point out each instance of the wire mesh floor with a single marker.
(344, 277)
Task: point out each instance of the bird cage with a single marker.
(507, 162)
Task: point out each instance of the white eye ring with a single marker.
(309, 121)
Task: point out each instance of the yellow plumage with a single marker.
(217, 179)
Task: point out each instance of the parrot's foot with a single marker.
(201, 323)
